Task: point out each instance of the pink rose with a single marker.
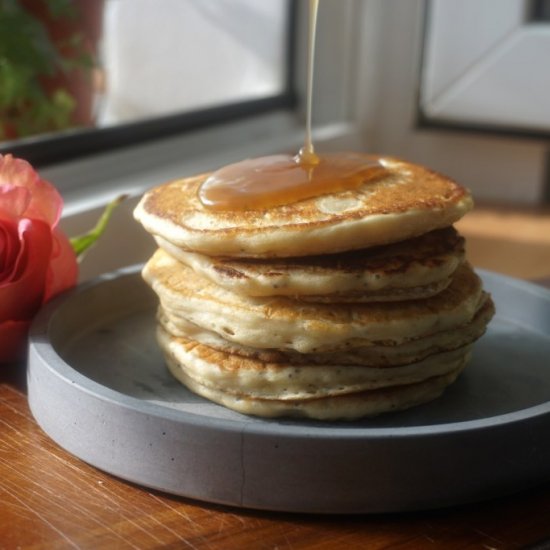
(36, 259)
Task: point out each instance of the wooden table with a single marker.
(49, 499)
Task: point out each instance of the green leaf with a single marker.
(82, 243)
(29, 54)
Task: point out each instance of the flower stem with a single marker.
(82, 243)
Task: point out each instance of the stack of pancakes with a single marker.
(339, 306)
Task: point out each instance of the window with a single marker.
(455, 115)
(485, 65)
(138, 69)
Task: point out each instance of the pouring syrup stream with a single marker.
(266, 182)
(307, 154)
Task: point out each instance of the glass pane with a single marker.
(167, 56)
(100, 63)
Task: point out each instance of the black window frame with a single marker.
(539, 11)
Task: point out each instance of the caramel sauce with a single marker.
(265, 182)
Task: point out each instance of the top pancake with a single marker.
(407, 201)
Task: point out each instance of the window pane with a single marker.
(169, 56)
(485, 67)
(83, 64)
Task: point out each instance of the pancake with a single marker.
(347, 304)
(283, 323)
(347, 406)
(284, 381)
(408, 200)
(376, 355)
(412, 269)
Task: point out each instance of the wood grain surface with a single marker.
(49, 499)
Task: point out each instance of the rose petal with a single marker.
(13, 201)
(13, 341)
(46, 203)
(9, 249)
(21, 296)
(63, 271)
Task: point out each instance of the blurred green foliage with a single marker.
(28, 58)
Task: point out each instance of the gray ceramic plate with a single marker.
(99, 388)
